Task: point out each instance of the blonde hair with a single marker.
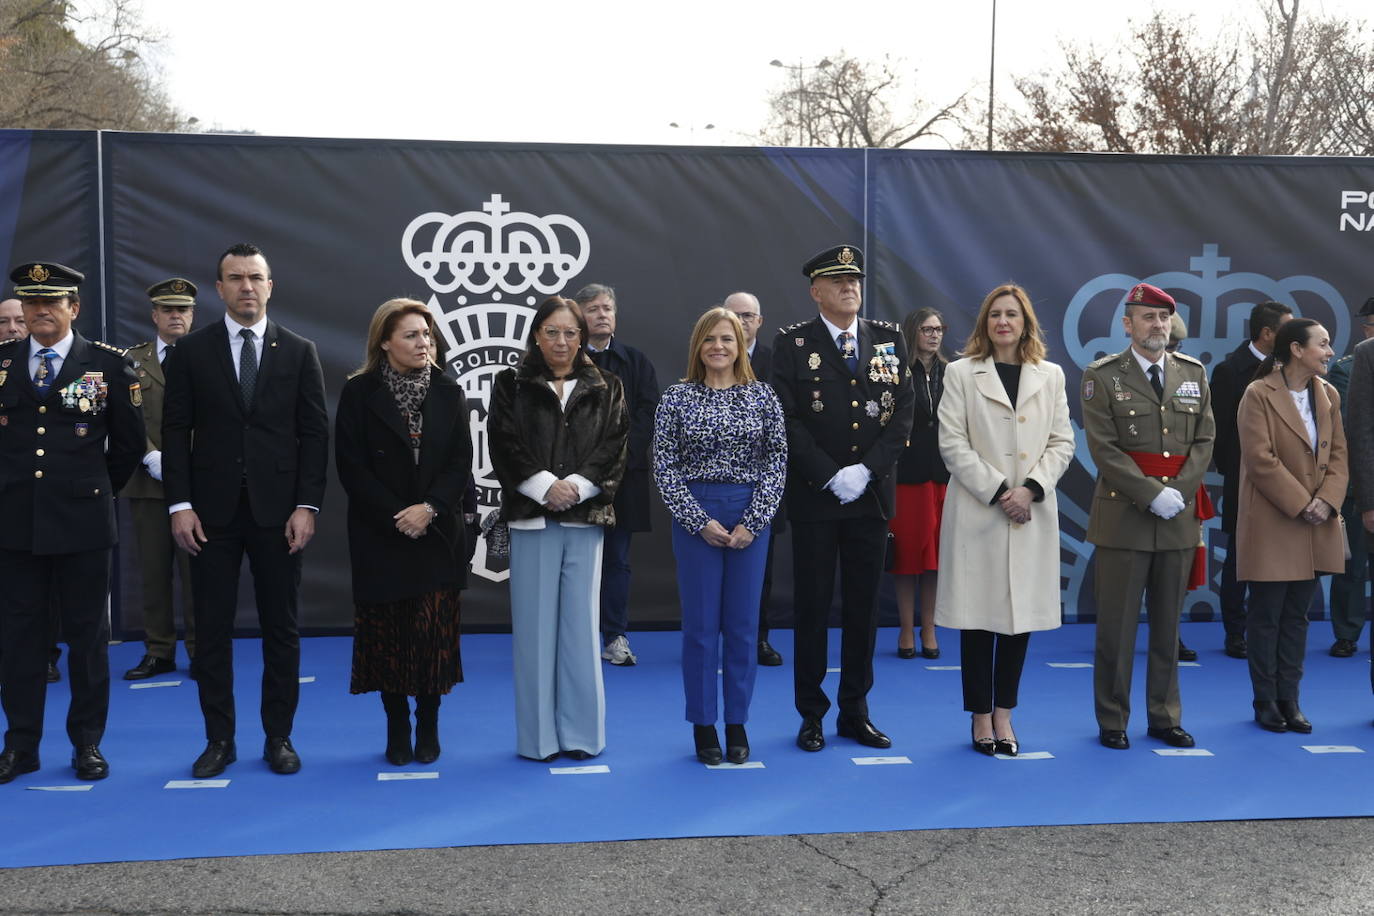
(696, 370)
(1031, 349)
(383, 325)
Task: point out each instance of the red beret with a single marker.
(1153, 296)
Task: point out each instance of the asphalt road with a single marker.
(1280, 867)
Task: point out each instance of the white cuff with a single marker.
(174, 508)
(585, 488)
(537, 486)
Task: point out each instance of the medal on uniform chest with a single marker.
(87, 394)
(1123, 395)
(4, 374)
(82, 430)
(884, 367)
(1189, 389)
(883, 417)
(813, 362)
(887, 400)
(871, 408)
(6, 364)
(816, 404)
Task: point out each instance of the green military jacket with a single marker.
(144, 355)
(1121, 414)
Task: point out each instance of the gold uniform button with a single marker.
(97, 491)
(39, 453)
(1166, 454)
(853, 403)
(853, 381)
(1165, 430)
(38, 474)
(853, 448)
(1165, 479)
(1130, 413)
(1020, 419)
(1023, 456)
(42, 410)
(855, 425)
(42, 431)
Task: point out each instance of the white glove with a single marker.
(849, 483)
(1168, 503)
(153, 462)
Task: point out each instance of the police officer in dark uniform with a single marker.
(847, 400)
(72, 434)
(1148, 419)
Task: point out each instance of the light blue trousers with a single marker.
(555, 583)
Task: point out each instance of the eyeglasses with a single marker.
(747, 316)
(935, 331)
(552, 334)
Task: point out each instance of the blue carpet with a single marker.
(484, 794)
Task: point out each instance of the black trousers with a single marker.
(276, 582)
(991, 664)
(75, 585)
(1276, 630)
(857, 543)
(1232, 593)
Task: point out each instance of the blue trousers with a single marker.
(719, 588)
(555, 576)
(615, 583)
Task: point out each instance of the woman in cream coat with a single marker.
(1293, 473)
(1006, 439)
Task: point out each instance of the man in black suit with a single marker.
(846, 396)
(1229, 380)
(750, 313)
(71, 434)
(640, 382)
(245, 442)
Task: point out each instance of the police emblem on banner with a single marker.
(492, 267)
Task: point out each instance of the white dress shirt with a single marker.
(61, 348)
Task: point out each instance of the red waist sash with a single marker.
(1155, 465)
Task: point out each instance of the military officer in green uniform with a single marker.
(1348, 605)
(846, 396)
(174, 303)
(1148, 419)
(71, 433)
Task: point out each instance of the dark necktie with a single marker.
(847, 351)
(248, 367)
(42, 378)
(1156, 384)
(166, 352)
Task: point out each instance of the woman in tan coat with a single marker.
(1293, 474)
(1006, 439)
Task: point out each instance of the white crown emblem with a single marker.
(495, 249)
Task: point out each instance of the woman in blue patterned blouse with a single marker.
(720, 460)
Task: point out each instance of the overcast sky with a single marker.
(599, 71)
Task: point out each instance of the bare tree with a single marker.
(1283, 85)
(854, 103)
(70, 66)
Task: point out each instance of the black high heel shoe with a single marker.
(398, 748)
(736, 744)
(708, 744)
(1007, 746)
(982, 745)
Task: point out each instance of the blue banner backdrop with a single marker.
(483, 231)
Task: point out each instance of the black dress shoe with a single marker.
(1113, 738)
(768, 656)
(1344, 648)
(281, 756)
(16, 763)
(1174, 737)
(212, 761)
(982, 745)
(810, 737)
(862, 731)
(53, 674)
(1268, 716)
(149, 667)
(1185, 654)
(89, 763)
(736, 744)
(1236, 647)
(906, 653)
(1297, 722)
(930, 653)
(576, 754)
(707, 743)
(551, 758)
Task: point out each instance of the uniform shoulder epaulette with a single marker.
(1345, 359)
(11, 342)
(890, 325)
(111, 348)
(1192, 359)
(140, 346)
(792, 327)
(1102, 361)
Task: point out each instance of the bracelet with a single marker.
(429, 509)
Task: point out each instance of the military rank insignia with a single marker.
(136, 394)
(884, 367)
(87, 394)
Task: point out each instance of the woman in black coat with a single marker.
(404, 454)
